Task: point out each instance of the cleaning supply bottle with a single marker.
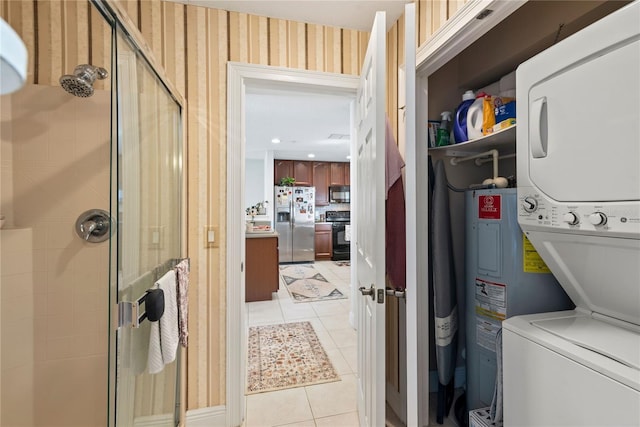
(445, 129)
(460, 123)
(475, 117)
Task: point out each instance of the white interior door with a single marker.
(370, 217)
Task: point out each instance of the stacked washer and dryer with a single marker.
(578, 170)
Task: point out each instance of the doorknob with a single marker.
(370, 292)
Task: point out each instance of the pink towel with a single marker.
(395, 220)
(394, 162)
(182, 271)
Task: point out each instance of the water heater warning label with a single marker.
(491, 310)
(491, 299)
(490, 207)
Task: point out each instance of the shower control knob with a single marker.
(571, 218)
(598, 218)
(529, 204)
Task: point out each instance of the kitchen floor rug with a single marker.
(342, 263)
(306, 284)
(286, 355)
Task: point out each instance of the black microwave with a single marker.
(339, 194)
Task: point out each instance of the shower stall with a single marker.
(92, 198)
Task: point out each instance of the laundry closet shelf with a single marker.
(504, 141)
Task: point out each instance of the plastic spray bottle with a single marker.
(445, 129)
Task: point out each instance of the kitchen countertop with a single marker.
(261, 234)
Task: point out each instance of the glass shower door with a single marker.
(147, 201)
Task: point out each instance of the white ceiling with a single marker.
(351, 14)
(305, 122)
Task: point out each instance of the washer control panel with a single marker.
(538, 211)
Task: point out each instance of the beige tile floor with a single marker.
(330, 404)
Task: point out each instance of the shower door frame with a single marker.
(116, 16)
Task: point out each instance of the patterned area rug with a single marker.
(342, 263)
(285, 356)
(306, 284)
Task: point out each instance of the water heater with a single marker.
(505, 277)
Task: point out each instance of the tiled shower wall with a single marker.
(59, 148)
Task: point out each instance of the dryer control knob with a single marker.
(529, 204)
(598, 218)
(571, 218)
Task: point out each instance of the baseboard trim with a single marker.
(207, 417)
(459, 379)
(162, 420)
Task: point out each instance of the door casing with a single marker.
(238, 77)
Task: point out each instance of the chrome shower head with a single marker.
(81, 82)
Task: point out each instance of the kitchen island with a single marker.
(262, 274)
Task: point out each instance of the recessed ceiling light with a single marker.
(349, 157)
(311, 155)
(276, 140)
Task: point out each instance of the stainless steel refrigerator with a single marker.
(295, 223)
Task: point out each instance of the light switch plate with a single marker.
(211, 237)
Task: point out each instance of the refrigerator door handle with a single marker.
(293, 214)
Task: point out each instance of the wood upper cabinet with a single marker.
(321, 182)
(303, 172)
(282, 169)
(340, 173)
(323, 243)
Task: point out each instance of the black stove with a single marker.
(340, 234)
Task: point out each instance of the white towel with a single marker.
(163, 338)
(347, 233)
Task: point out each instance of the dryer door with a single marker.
(578, 109)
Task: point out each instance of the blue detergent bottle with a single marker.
(460, 122)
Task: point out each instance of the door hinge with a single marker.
(398, 293)
(381, 296)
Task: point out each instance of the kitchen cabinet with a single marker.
(261, 258)
(301, 170)
(340, 173)
(303, 173)
(318, 174)
(282, 169)
(324, 243)
(321, 182)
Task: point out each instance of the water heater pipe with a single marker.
(499, 181)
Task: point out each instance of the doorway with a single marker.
(242, 80)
